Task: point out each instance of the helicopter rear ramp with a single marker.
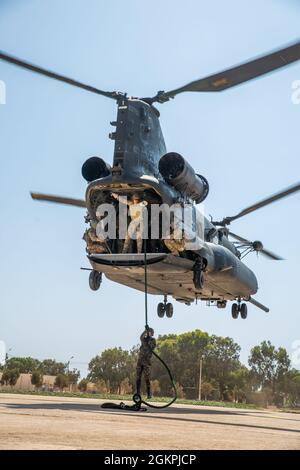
(168, 274)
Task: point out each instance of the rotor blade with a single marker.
(271, 255)
(267, 253)
(59, 199)
(240, 73)
(265, 202)
(34, 68)
(239, 238)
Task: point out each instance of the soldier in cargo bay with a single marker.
(136, 227)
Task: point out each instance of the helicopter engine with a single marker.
(179, 173)
(95, 168)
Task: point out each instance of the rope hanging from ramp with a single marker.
(137, 399)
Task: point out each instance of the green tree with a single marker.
(25, 365)
(101, 387)
(206, 389)
(61, 381)
(179, 390)
(191, 347)
(83, 384)
(51, 367)
(125, 387)
(222, 358)
(269, 367)
(239, 383)
(112, 366)
(10, 377)
(167, 350)
(73, 376)
(182, 354)
(289, 386)
(37, 378)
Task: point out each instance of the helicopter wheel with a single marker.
(235, 311)
(244, 311)
(161, 309)
(169, 310)
(95, 280)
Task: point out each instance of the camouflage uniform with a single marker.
(144, 362)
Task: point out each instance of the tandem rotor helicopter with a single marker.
(141, 166)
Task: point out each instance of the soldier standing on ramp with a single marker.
(144, 360)
(136, 226)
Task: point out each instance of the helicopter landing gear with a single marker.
(221, 303)
(165, 308)
(235, 311)
(161, 309)
(239, 308)
(95, 280)
(169, 310)
(244, 311)
(198, 276)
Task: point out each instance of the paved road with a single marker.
(37, 422)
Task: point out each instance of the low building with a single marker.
(24, 383)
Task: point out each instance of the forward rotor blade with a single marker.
(265, 202)
(240, 73)
(59, 199)
(267, 253)
(47, 73)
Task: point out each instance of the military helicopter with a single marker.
(213, 272)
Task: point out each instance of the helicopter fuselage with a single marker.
(141, 165)
(139, 146)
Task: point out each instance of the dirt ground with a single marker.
(39, 422)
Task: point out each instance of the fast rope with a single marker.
(137, 399)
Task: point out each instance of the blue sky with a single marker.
(245, 141)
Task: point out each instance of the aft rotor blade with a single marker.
(267, 253)
(59, 199)
(240, 73)
(47, 73)
(265, 202)
(239, 238)
(271, 255)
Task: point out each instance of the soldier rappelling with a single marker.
(144, 360)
